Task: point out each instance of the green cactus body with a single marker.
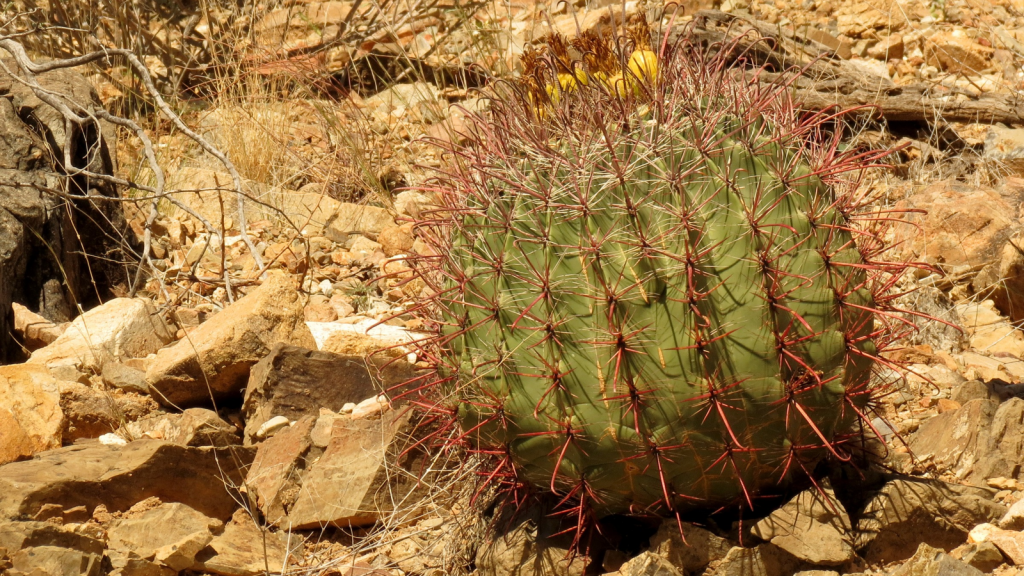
(673, 315)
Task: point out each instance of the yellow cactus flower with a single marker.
(644, 65)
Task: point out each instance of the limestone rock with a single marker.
(964, 226)
(396, 240)
(351, 219)
(193, 427)
(294, 382)
(363, 338)
(29, 534)
(119, 477)
(762, 560)
(275, 475)
(866, 18)
(989, 331)
(982, 439)
(124, 563)
(908, 512)
(813, 527)
(1009, 542)
(352, 484)
(1003, 282)
(54, 561)
(1014, 517)
(120, 328)
(243, 548)
(930, 561)
(181, 555)
(117, 375)
(216, 358)
(1005, 147)
(34, 331)
(527, 550)
(957, 54)
(984, 556)
(165, 525)
(692, 556)
(91, 413)
(649, 564)
(31, 419)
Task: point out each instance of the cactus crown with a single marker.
(655, 285)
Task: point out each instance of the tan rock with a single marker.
(763, 560)
(907, 512)
(524, 551)
(396, 240)
(352, 219)
(813, 527)
(217, 356)
(33, 330)
(294, 382)
(166, 525)
(14, 442)
(346, 486)
(91, 413)
(957, 54)
(1009, 542)
(275, 475)
(303, 26)
(120, 328)
(889, 48)
(1003, 282)
(988, 331)
(965, 226)
(115, 478)
(648, 563)
(193, 427)
(55, 561)
(412, 203)
(700, 548)
(363, 338)
(31, 419)
(319, 312)
(245, 549)
(931, 561)
(867, 19)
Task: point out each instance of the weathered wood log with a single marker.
(829, 80)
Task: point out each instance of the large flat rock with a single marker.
(120, 328)
(120, 476)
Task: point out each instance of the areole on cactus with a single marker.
(656, 284)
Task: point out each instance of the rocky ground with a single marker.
(198, 427)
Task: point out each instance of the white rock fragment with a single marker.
(270, 427)
(111, 439)
(370, 407)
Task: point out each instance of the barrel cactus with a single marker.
(655, 283)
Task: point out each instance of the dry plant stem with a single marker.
(30, 69)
